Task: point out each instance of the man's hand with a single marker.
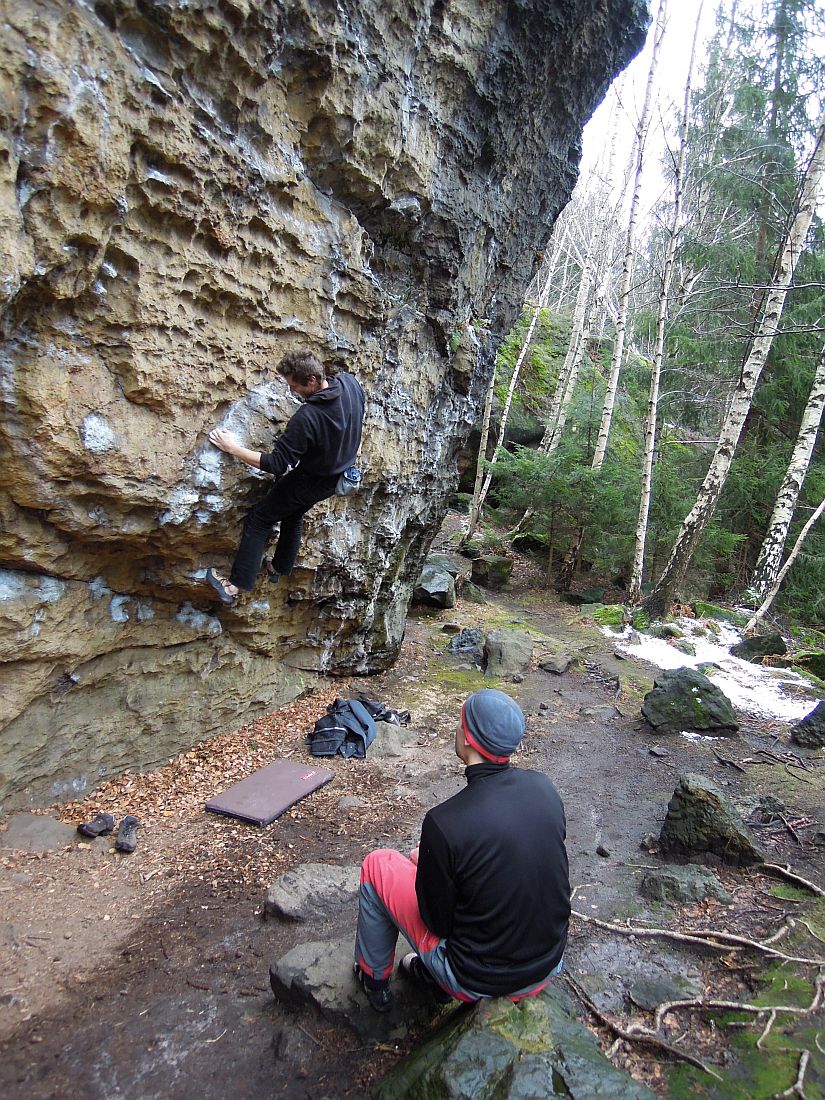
(414, 855)
(225, 440)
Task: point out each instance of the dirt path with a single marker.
(146, 976)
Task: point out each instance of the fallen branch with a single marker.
(706, 937)
(642, 1035)
(787, 873)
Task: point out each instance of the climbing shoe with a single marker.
(126, 839)
(219, 584)
(98, 826)
(378, 991)
(271, 575)
(413, 968)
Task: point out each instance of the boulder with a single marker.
(681, 885)
(444, 562)
(557, 663)
(312, 891)
(507, 652)
(535, 1048)
(472, 593)
(812, 661)
(701, 820)
(435, 587)
(684, 699)
(469, 644)
(492, 571)
(172, 232)
(810, 731)
(320, 974)
(758, 646)
(37, 833)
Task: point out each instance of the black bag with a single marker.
(347, 728)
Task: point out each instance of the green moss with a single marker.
(790, 893)
(704, 610)
(464, 679)
(751, 1073)
(609, 615)
(640, 620)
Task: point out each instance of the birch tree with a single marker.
(481, 490)
(630, 246)
(770, 554)
(675, 229)
(777, 584)
(765, 328)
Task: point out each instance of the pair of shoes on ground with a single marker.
(103, 824)
(378, 991)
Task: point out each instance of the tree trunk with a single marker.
(635, 586)
(770, 555)
(696, 521)
(630, 248)
(475, 510)
(478, 501)
(803, 534)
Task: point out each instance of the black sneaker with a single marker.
(413, 968)
(378, 991)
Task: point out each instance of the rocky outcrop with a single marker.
(684, 699)
(702, 821)
(186, 192)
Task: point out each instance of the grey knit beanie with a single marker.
(493, 724)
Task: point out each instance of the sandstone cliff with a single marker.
(187, 190)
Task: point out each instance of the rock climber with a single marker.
(319, 443)
(485, 897)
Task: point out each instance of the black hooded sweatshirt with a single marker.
(324, 435)
(493, 880)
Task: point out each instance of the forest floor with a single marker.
(146, 976)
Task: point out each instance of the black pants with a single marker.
(286, 502)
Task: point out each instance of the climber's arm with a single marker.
(226, 441)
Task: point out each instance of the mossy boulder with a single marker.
(703, 610)
(681, 885)
(492, 570)
(811, 661)
(640, 620)
(612, 614)
(497, 1050)
(757, 646)
(685, 699)
(810, 732)
(701, 820)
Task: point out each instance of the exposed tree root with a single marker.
(707, 937)
(642, 1035)
(787, 873)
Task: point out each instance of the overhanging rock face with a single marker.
(186, 192)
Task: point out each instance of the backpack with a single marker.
(347, 728)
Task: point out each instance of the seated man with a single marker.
(485, 898)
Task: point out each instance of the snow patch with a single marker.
(757, 690)
(97, 434)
